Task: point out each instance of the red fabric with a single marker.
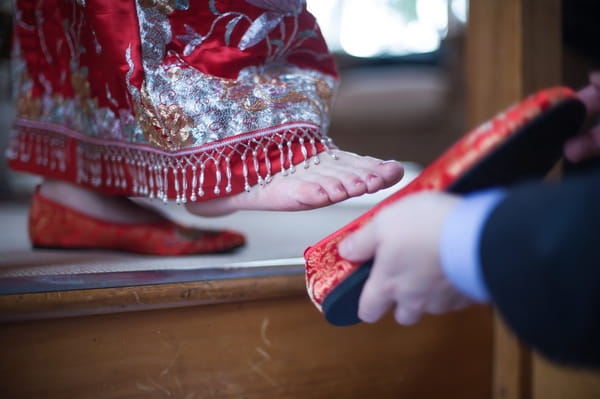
(52, 225)
(179, 185)
(215, 58)
(84, 91)
(325, 268)
(116, 22)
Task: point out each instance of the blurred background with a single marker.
(401, 65)
(8, 180)
(402, 90)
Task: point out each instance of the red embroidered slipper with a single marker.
(52, 225)
(523, 142)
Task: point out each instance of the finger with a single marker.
(360, 245)
(408, 315)
(590, 96)
(375, 300)
(585, 146)
(441, 304)
(438, 306)
(441, 298)
(385, 285)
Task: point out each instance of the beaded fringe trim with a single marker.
(138, 170)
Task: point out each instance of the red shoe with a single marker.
(522, 143)
(53, 225)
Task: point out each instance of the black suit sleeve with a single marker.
(540, 256)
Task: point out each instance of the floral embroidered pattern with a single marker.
(165, 126)
(212, 108)
(155, 97)
(266, 22)
(166, 6)
(331, 270)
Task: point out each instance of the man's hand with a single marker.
(404, 240)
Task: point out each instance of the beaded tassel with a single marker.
(171, 176)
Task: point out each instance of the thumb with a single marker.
(360, 245)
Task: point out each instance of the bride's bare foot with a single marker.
(332, 180)
(109, 208)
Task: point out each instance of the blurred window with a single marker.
(386, 28)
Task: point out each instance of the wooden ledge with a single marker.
(127, 299)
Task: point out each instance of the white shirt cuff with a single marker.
(459, 242)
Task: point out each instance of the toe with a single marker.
(332, 185)
(341, 174)
(374, 182)
(371, 179)
(307, 195)
(390, 171)
(353, 184)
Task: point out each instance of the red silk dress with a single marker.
(172, 99)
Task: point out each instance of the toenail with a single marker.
(339, 188)
(322, 192)
(372, 176)
(358, 182)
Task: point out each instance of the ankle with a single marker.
(106, 207)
